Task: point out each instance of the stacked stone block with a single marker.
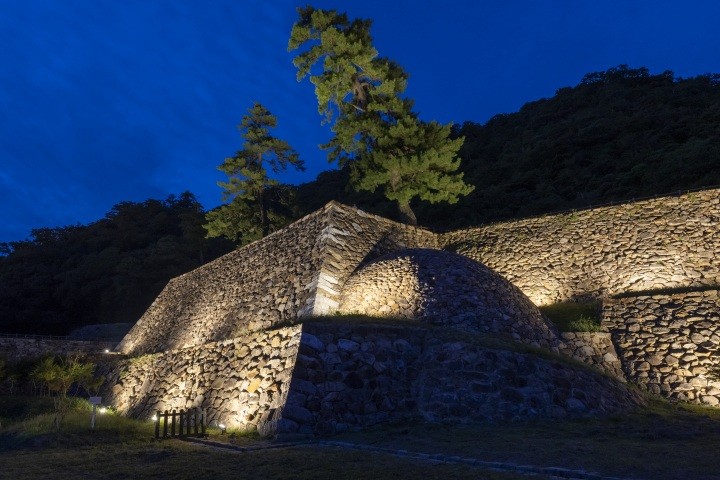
(353, 376)
(668, 343)
(593, 348)
(241, 382)
(660, 243)
(447, 289)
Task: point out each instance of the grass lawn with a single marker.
(661, 442)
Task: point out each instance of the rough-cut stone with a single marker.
(594, 349)
(295, 272)
(445, 288)
(442, 380)
(672, 359)
(229, 379)
(659, 243)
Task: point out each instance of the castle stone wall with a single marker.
(445, 288)
(354, 238)
(295, 272)
(350, 376)
(241, 382)
(667, 343)
(593, 348)
(659, 243)
(263, 284)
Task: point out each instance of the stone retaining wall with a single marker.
(295, 272)
(13, 349)
(659, 243)
(593, 348)
(353, 376)
(241, 382)
(444, 288)
(667, 342)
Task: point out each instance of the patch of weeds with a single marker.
(584, 324)
(575, 316)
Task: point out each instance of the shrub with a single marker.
(574, 316)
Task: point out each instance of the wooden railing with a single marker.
(184, 423)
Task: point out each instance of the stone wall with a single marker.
(349, 376)
(263, 284)
(242, 382)
(444, 288)
(354, 238)
(667, 342)
(659, 243)
(22, 348)
(593, 348)
(294, 272)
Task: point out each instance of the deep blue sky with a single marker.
(104, 101)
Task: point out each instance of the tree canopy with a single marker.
(106, 272)
(376, 132)
(258, 204)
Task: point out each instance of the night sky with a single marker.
(103, 101)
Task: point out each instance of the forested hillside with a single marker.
(108, 271)
(618, 135)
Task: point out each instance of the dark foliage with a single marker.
(106, 272)
(618, 135)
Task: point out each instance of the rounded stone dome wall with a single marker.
(445, 288)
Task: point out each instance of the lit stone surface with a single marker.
(659, 243)
(667, 343)
(295, 272)
(242, 382)
(445, 288)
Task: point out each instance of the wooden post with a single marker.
(182, 418)
(196, 412)
(203, 421)
(157, 424)
(165, 424)
(172, 424)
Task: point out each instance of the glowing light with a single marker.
(154, 418)
(223, 428)
(107, 350)
(102, 411)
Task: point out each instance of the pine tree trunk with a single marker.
(264, 223)
(407, 216)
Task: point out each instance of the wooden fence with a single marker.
(184, 423)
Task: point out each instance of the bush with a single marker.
(584, 324)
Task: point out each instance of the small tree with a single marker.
(375, 129)
(60, 375)
(256, 201)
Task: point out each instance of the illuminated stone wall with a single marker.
(241, 382)
(659, 243)
(354, 376)
(444, 288)
(294, 272)
(667, 342)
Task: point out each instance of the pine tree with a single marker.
(375, 130)
(258, 204)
